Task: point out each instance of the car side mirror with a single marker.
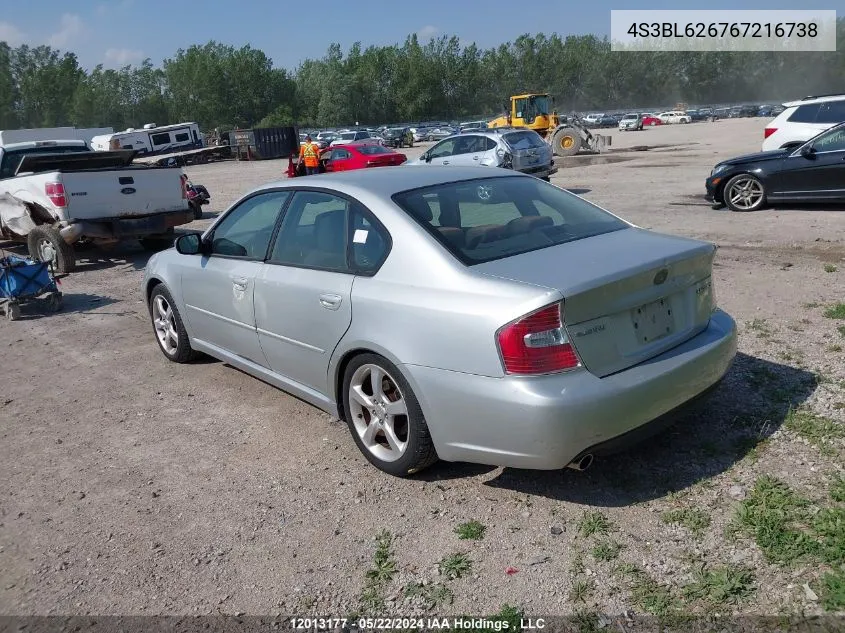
(189, 244)
(808, 151)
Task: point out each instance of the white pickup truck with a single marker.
(54, 194)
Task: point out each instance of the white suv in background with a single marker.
(802, 120)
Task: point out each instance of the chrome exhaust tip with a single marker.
(582, 463)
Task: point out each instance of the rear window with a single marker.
(12, 158)
(524, 140)
(831, 112)
(373, 149)
(805, 113)
(486, 219)
(348, 136)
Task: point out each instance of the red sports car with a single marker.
(349, 156)
(361, 155)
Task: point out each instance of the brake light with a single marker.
(769, 131)
(537, 344)
(184, 180)
(56, 192)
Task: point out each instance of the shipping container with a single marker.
(264, 143)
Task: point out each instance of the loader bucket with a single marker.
(600, 142)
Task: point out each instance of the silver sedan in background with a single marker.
(466, 314)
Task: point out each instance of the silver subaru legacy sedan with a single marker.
(467, 314)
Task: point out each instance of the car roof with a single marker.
(811, 100)
(387, 181)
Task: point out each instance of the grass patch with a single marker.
(837, 489)
(649, 595)
(455, 566)
(379, 575)
(581, 590)
(606, 550)
(728, 585)
(759, 376)
(833, 591)
(829, 268)
(836, 311)
(594, 523)
(577, 566)
(695, 520)
(430, 596)
(812, 304)
(760, 327)
(775, 516)
(816, 429)
(841, 330)
(471, 530)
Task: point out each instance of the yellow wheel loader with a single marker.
(567, 135)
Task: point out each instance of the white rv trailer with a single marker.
(152, 139)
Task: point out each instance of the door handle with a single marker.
(445, 162)
(330, 301)
(475, 158)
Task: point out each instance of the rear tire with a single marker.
(171, 336)
(46, 244)
(385, 419)
(566, 142)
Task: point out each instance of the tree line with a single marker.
(224, 87)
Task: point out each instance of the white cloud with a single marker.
(11, 34)
(70, 28)
(427, 32)
(123, 56)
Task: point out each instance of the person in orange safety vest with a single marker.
(309, 153)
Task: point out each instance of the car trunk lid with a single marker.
(628, 295)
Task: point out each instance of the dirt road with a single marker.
(131, 485)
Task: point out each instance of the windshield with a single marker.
(540, 103)
(373, 149)
(12, 158)
(348, 136)
(485, 219)
(630, 116)
(524, 139)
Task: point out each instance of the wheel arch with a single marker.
(337, 369)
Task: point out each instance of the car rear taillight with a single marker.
(184, 180)
(56, 192)
(769, 131)
(537, 344)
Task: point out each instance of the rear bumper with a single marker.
(545, 422)
(126, 227)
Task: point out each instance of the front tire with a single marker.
(566, 142)
(744, 193)
(46, 244)
(385, 418)
(167, 324)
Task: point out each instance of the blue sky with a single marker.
(117, 32)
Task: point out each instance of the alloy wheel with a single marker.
(164, 321)
(746, 193)
(379, 412)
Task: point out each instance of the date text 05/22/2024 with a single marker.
(420, 623)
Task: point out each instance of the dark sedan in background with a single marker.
(813, 172)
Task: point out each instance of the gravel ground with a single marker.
(131, 485)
